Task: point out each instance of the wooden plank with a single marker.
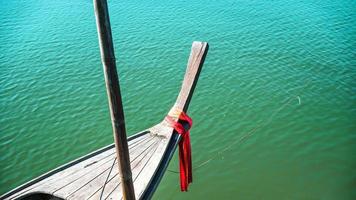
(101, 158)
(97, 183)
(136, 166)
(147, 173)
(95, 162)
(116, 192)
(167, 156)
(29, 185)
(194, 66)
(70, 185)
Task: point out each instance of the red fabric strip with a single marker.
(185, 155)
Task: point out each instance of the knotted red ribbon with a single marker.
(185, 155)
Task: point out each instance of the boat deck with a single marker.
(96, 176)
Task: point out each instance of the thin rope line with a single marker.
(106, 181)
(250, 133)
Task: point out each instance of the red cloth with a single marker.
(185, 155)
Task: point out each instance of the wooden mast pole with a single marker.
(114, 97)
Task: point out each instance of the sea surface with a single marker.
(274, 110)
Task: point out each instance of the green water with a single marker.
(274, 110)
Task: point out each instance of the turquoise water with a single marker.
(274, 110)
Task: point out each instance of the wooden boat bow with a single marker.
(93, 177)
(143, 159)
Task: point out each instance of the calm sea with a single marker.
(274, 110)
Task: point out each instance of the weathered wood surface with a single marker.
(86, 179)
(194, 66)
(150, 153)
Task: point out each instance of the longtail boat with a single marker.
(142, 158)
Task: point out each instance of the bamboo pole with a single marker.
(114, 97)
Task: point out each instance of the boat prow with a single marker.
(95, 176)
